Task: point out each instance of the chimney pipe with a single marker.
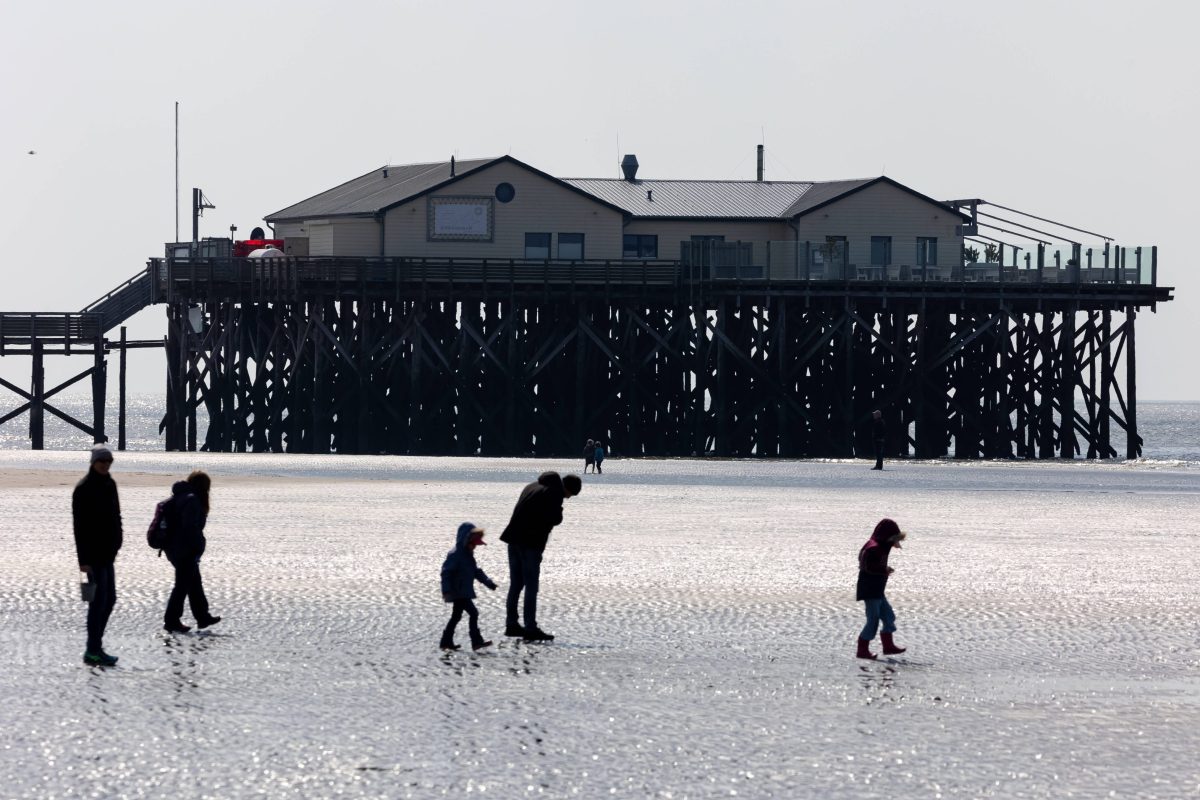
(629, 166)
(451, 166)
(760, 162)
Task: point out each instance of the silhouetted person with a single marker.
(879, 435)
(599, 457)
(538, 510)
(459, 573)
(589, 455)
(96, 519)
(185, 546)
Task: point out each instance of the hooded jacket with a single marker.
(538, 510)
(96, 519)
(873, 560)
(187, 538)
(459, 570)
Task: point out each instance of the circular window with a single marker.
(505, 192)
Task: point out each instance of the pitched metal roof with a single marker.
(373, 192)
(714, 199)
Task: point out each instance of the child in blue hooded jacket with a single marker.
(459, 573)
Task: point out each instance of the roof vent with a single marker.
(650, 195)
(451, 166)
(385, 172)
(629, 166)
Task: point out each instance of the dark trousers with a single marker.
(524, 569)
(878, 454)
(599, 461)
(472, 623)
(189, 584)
(100, 609)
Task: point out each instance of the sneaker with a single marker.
(514, 630)
(99, 659)
(450, 646)
(176, 627)
(480, 645)
(208, 622)
(538, 635)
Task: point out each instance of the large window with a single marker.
(537, 245)
(640, 245)
(570, 246)
(881, 251)
(926, 252)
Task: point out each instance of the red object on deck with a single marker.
(244, 248)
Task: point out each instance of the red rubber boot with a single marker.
(864, 650)
(889, 647)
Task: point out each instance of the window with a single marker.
(926, 252)
(881, 251)
(505, 192)
(640, 245)
(537, 245)
(570, 246)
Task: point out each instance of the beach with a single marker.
(705, 620)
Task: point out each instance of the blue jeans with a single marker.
(878, 608)
(524, 569)
(100, 609)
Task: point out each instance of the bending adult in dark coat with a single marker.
(538, 510)
(185, 546)
(96, 520)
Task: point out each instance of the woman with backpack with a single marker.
(185, 545)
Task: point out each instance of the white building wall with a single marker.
(884, 210)
(355, 236)
(540, 206)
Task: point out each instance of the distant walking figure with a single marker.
(538, 510)
(96, 519)
(459, 573)
(185, 545)
(599, 456)
(589, 455)
(873, 572)
(879, 435)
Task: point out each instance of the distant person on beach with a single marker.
(589, 455)
(185, 546)
(538, 510)
(879, 436)
(459, 573)
(599, 456)
(96, 519)
(873, 572)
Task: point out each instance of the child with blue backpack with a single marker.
(459, 573)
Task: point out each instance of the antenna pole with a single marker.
(177, 170)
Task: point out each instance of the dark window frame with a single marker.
(645, 245)
(582, 247)
(887, 242)
(549, 245)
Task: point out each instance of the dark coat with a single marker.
(873, 560)
(459, 570)
(589, 454)
(187, 540)
(878, 429)
(538, 510)
(599, 454)
(96, 519)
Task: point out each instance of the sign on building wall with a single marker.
(460, 219)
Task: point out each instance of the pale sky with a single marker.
(1081, 112)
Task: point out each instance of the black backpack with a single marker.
(158, 536)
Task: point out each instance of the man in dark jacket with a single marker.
(96, 519)
(879, 436)
(185, 547)
(538, 510)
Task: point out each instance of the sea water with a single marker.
(1170, 431)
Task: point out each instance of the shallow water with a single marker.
(706, 628)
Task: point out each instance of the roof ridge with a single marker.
(689, 180)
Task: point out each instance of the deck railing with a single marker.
(783, 262)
